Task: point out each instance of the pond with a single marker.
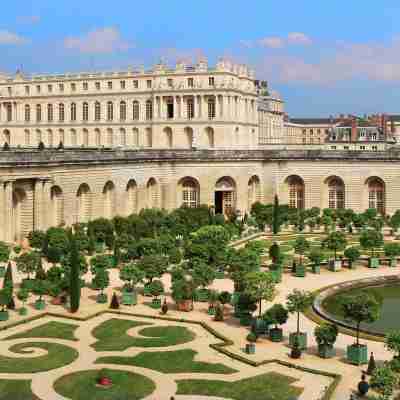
(388, 295)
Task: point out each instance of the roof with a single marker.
(312, 121)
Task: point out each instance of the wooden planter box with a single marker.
(156, 303)
(246, 319)
(250, 348)
(326, 351)
(316, 269)
(276, 335)
(276, 275)
(302, 339)
(129, 298)
(146, 291)
(373, 262)
(202, 295)
(184, 305)
(300, 271)
(260, 326)
(101, 298)
(393, 262)
(335, 265)
(357, 355)
(4, 315)
(40, 304)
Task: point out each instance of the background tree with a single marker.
(203, 274)
(101, 280)
(153, 266)
(392, 343)
(23, 295)
(277, 315)
(392, 250)
(275, 252)
(4, 252)
(276, 219)
(27, 263)
(384, 380)
(316, 256)
(156, 288)
(131, 274)
(8, 281)
(370, 239)
(75, 273)
(336, 241)
(352, 254)
(301, 245)
(298, 301)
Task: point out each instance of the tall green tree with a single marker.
(298, 301)
(260, 286)
(335, 241)
(75, 284)
(276, 222)
(8, 281)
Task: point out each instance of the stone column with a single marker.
(46, 205)
(38, 205)
(198, 108)
(8, 212)
(2, 211)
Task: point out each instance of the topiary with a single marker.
(371, 364)
(114, 305)
(6, 146)
(164, 307)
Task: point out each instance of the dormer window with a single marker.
(211, 81)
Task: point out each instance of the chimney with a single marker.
(353, 130)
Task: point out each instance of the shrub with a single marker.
(4, 252)
(36, 239)
(277, 315)
(326, 334)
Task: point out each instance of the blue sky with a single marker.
(324, 57)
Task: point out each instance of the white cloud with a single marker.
(105, 40)
(273, 42)
(9, 38)
(299, 38)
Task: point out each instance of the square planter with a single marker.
(250, 348)
(211, 311)
(235, 298)
(40, 304)
(2, 271)
(300, 271)
(4, 315)
(260, 326)
(129, 298)
(146, 291)
(202, 295)
(276, 335)
(101, 298)
(302, 338)
(335, 265)
(23, 311)
(393, 262)
(276, 275)
(357, 355)
(156, 303)
(373, 262)
(326, 351)
(316, 269)
(246, 319)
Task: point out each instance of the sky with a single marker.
(324, 57)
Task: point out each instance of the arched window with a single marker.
(110, 111)
(211, 107)
(122, 111)
(225, 196)
(27, 137)
(109, 200)
(27, 113)
(74, 139)
(97, 111)
(84, 197)
(135, 110)
(190, 193)
(85, 112)
(57, 206)
(190, 108)
(61, 112)
(135, 133)
(296, 192)
(336, 193)
(152, 193)
(7, 136)
(376, 195)
(50, 112)
(50, 137)
(73, 112)
(254, 191)
(9, 112)
(62, 136)
(131, 192)
(38, 135)
(38, 113)
(149, 110)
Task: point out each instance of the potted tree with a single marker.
(203, 275)
(27, 264)
(357, 309)
(156, 288)
(212, 301)
(326, 335)
(153, 266)
(224, 298)
(392, 251)
(298, 301)
(40, 288)
(301, 245)
(251, 345)
(131, 275)
(336, 241)
(182, 293)
(316, 257)
(245, 307)
(100, 281)
(276, 315)
(23, 295)
(352, 254)
(370, 239)
(5, 296)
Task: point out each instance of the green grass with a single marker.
(53, 329)
(112, 335)
(169, 362)
(16, 390)
(270, 386)
(58, 356)
(126, 385)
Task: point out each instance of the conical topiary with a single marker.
(164, 307)
(114, 305)
(75, 282)
(371, 364)
(8, 278)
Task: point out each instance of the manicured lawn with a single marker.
(58, 356)
(270, 386)
(16, 390)
(169, 362)
(126, 385)
(112, 335)
(53, 329)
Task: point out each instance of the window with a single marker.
(346, 147)
(9, 112)
(73, 87)
(211, 108)
(211, 81)
(189, 194)
(135, 84)
(97, 85)
(362, 147)
(38, 88)
(110, 111)
(170, 83)
(97, 111)
(311, 132)
(149, 110)
(190, 82)
(85, 86)
(50, 112)
(38, 113)
(376, 195)
(122, 84)
(148, 84)
(135, 111)
(27, 113)
(50, 88)
(122, 111)
(336, 193)
(170, 108)
(9, 90)
(296, 192)
(61, 87)
(304, 131)
(73, 112)
(375, 148)
(190, 108)
(61, 112)
(27, 90)
(109, 84)
(85, 112)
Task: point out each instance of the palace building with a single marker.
(115, 143)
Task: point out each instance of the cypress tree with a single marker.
(275, 220)
(8, 278)
(75, 284)
(371, 365)
(114, 302)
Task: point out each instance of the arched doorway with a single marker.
(109, 200)
(168, 138)
(84, 196)
(225, 196)
(253, 190)
(153, 197)
(336, 192)
(19, 201)
(57, 206)
(295, 186)
(376, 194)
(131, 197)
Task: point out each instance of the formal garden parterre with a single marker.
(231, 271)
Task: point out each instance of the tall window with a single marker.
(27, 113)
(61, 112)
(110, 111)
(97, 111)
(85, 112)
(135, 110)
(73, 112)
(211, 108)
(50, 112)
(336, 193)
(38, 113)
(376, 195)
(296, 192)
(122, 110)
(190, 108)
(190, 198)
(149, 110)
(74, 139)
